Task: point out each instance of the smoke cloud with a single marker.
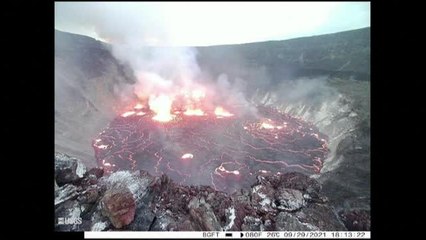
(313, 90)
(143, 41)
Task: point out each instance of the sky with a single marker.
(207, 23)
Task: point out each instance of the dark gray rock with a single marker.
(321, 216)
(356, 220)
(348, 185)
(202, 215)
(143, 221)
(145, 218)
(136, 201)
(252, 224)
(90, 195)
(68, 169)
(98, 221)
(289, 199)
(96, 172)
(166, 222)
(288, 222)
(65, 193)
(187, 225)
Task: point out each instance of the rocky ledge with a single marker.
(137, 201)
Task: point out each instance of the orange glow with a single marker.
(138, 106)
(103, 146)
(161, 105)
(220, 112)
(267, 126)
(194, 112)
(223, 169)
(187, 155)
(126, 114)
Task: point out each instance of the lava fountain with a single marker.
(209, 146)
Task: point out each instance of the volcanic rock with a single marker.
(289, 199)
(252, 224)
(65, 193)
(119, 206)
(136, 182)
(90, 195)
(96, 172)
(98, 221)
(145, 217)
(143, 220)
(92, 176)
(167, 223)
(99, 226)
(288, 222)
(202, 215)
(68, 169)
(320, 217)
(356, 220)
(119, 201)
(137, 201)
(263, 196)
(230, 216)
(297, 181)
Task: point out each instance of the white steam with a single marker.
(139, 39)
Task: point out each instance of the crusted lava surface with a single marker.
(225, 153)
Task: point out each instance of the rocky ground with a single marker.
(137, 201)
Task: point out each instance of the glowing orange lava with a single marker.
(138, 106)
(194, 112)
(103, 146)
(267, 126)
(220, 112)
(126, 114)
(229, 151)
(162, 106)
(187, 155)
(221, 168)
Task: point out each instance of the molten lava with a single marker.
(220, 112)
(187, 155)
(267, 125)
(230, 151)
(138, 106)
(194, 112)
(126, 114)
(162, 106)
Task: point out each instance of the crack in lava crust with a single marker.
(226, 153)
